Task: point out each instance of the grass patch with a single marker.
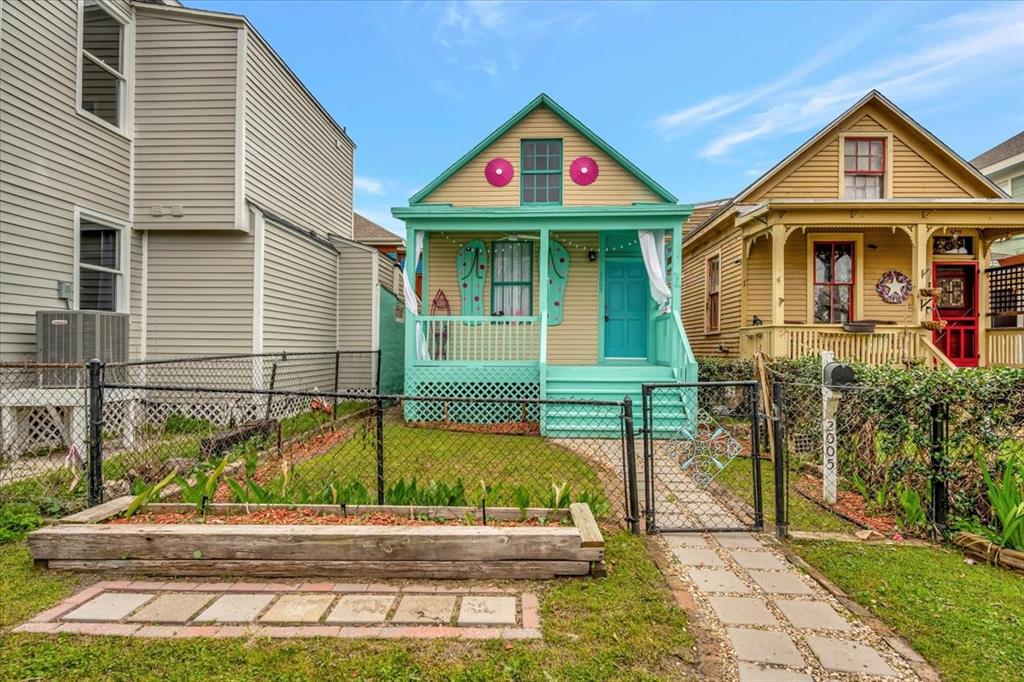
(625, 626)
(966, 620)
(738, 477)
(502, 462)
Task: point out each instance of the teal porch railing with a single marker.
(672, 348)
(470, 339)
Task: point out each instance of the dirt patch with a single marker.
(309, 517)
(302, 449)
(849, 505)
(502, 429)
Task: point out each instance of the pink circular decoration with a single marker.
(499, 172)
(583, 170)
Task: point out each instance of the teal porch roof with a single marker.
(445, 217)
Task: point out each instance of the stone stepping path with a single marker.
(349, 610)
(778, 623)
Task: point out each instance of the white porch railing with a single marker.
(481, 339)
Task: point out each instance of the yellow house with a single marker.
(871, 240)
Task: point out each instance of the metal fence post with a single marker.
(648, 429)
(379, 408)
(94, 468)
(779, 441)
(755, 459)
(633, 504)
(376, 379)
(940, 491)
(337, 371)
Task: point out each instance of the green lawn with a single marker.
(502, 462)
(625, 626)
(737, 476)
(967, 620)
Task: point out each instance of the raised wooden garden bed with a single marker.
(89, 542)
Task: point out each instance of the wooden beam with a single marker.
(590, 534)
(778, 272)
(101, 512)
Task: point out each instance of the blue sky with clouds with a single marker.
(702, 96)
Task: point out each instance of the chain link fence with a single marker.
(45, 412)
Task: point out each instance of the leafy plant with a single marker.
(1007, 499)
(521, 497)
(560, 496)
(201, 491)
(146, 494)
(16, 520)
(913, 516)
(599, 506)
(180, 424)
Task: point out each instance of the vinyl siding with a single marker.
(52, 159)
(297, 164)
(386, 273)
(135, 328)
(200, 293)
(299, 283)
(728, 244)
(614, 184)
(185, 123)
(356, 289)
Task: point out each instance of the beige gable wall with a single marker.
(297, 164)
(52, 159)
(185, 146)
(918, 169)
(614, 184)
(200, 293)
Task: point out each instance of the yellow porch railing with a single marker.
(1005, 347)
(885, 346)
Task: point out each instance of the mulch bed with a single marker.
(849, 505)
(308, 517)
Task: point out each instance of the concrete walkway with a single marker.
(778, 623)
(350, 610)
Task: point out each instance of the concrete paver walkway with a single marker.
(778, 623)
(181, 610)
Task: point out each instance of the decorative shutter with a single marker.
(558, 275)
(471, 265)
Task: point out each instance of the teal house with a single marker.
(551, 268)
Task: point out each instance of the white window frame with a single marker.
(122, 290)
(124, 76)
(887, 151)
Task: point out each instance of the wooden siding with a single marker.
(614, 185)
(575, 342)
(758, 283)
(53, 159)
(356, 290)
(919, 168)
(300, 278)
(297, 164)
(729, 244)
(186, 79)
(199, 293)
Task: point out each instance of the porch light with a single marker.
(591, 255)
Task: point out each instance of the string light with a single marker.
(570, 244)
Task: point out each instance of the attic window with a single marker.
(863, 167)
(542, 172)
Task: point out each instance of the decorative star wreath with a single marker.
(894, 287)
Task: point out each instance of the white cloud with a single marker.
(369, 185)
(980, 43)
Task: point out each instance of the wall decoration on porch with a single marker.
(894, 287)
(583, 170)
(471, 266)
(952, 245)
(499, 172)
(558, 276)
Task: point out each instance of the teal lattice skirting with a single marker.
(507, 383)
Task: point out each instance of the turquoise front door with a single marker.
(625, 309)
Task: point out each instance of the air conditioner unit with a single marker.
(77, 336)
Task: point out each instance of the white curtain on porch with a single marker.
(411, 301)
(652, 246)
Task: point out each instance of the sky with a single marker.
(704, 97)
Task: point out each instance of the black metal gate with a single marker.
(702, 457)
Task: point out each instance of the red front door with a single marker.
(957, 306)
